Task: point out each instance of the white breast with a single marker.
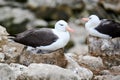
(64, 38)
(94, 32)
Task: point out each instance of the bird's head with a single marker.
(62, 25)
(92, 21)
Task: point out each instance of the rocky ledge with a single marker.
(99, 62)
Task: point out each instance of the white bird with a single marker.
(46, 38)
(103, 28)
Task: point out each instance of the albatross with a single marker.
(46, 38)
(103, 28)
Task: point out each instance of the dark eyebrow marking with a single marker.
(61, 24)
(89, 17)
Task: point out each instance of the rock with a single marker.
(105, 72)
(3, 31)
(9, 50)
(55, 9)
(107, 77)
(18, 69)
(2, 2)
(37, 23)
(90, 4)
(46, 71)
(12, 22)
(84, 73)
(56, 58)
(20, 13)
(111, 5)
(60, 12)
(93, 63)
(6, 73)
(2, 56)
(3, 36)
(79, 50)
(12, 51)
(108, 50)
(75, 4)
(12, 71)
(115, 69)
(38, 3)
(102, 8)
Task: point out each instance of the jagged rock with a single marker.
(56, 58)
(84, 73)
(46, 71)
(108, 50)
(93, 63)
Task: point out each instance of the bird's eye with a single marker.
(89, 17)
(61, 24)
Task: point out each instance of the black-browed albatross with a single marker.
(103, 28)
(46, 38)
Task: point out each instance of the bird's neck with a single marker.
(60, 30)
(91, 26)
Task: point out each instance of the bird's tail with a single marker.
(11, 38)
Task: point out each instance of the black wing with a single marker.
(109, 27)
(36, 37)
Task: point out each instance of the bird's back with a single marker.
(109, 27)
(36, 37)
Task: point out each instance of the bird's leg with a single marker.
(39, 50)
(43, 51)
(31, 49)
